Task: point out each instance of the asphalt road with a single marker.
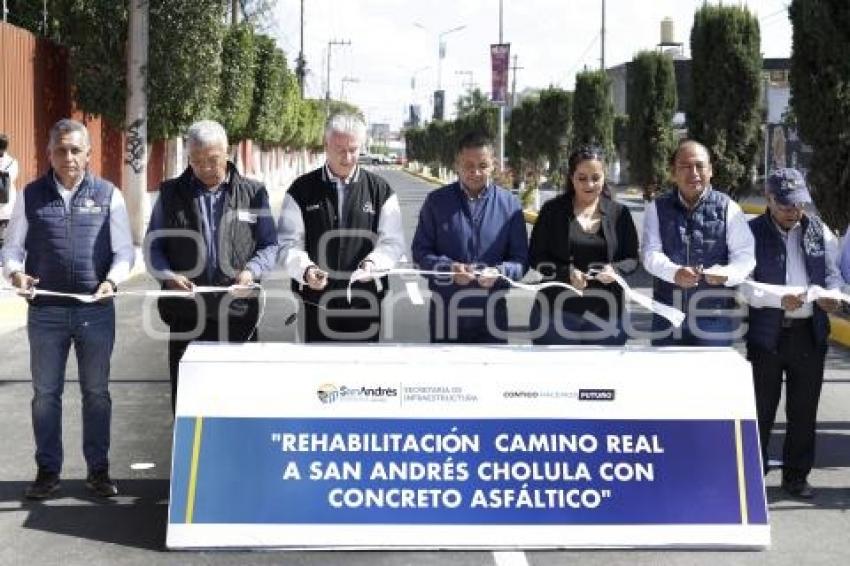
(73, 529)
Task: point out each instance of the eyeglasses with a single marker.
(688, 167)
(208, 162)
(480, 168)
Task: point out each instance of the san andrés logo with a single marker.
(330, 393)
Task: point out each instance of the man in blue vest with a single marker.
(473, 230)
(69, 233)
(788, 334)
(210, 227)
(686, 231)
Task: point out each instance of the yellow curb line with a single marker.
(752, 208)
(428, 178)
(840, 330)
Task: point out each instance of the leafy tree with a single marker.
(725, 112)
(184, 76)
(651, 106)
(820, 98)
(236, 96)
(96, 52)
(473, 101)
(30, 15)
(523, 138)
(269, 97)
(291, 109)
(593, 111)
(555, 109)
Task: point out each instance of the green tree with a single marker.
(556, 111)
(820, 98)
(651, 102)
(30, 15)
(472, 102)
(184, 76)
(268, 109)
(524, 139)
(96, 52)
(236, 96)
(593, 111)
(725, 112)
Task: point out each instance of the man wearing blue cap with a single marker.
(788, 334)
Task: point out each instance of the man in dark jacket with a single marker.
(787, 333)
(69, 233)
(686, 231)
(210, 227)
(333, 221)
(473, 230)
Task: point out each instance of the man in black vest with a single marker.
(335, 220)
(69, 233)
(210, 227)
(788, 333)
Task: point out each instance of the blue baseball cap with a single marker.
(788, 187)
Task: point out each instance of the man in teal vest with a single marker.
(70, 233)
(788, 334)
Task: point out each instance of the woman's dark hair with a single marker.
(580, 155)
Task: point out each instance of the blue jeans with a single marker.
(51, 330)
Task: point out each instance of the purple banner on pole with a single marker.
(500, 57)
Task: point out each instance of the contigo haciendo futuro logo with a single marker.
(331, 393)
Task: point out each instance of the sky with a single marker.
(391, 41)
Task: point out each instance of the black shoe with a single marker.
(798, 488)
(101, 485)
(45, 484)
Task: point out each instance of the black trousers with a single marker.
(802, 363)
(338, 321)
(234, 329)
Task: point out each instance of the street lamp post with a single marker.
(342, 86)
(441, 49)
(413, 97)
(469, 83)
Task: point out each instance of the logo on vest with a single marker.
(312, 207)
(368, 208)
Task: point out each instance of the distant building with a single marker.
(379, 131)
(775, 72)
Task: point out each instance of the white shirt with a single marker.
(10, 165)
(14, 252)
(341, 184)
(795, 271)
(389, 247)
(739, 240)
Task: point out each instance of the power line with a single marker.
(583, 56)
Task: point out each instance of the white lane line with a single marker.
(510, 559)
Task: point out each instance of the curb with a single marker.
(840, 330)
(428, 178)
(752, 207)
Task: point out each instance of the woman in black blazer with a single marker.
(582, 237)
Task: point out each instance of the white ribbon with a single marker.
(674, 315)
(365, 275)
(810, 294)
(83, 298)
